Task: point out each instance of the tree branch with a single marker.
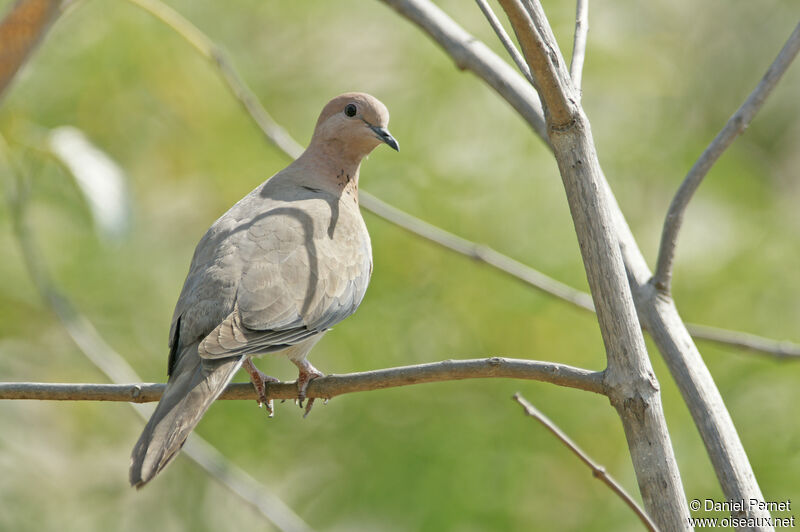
(746, 341)
(545, 61)
(497, 26)
(598, 471)
(478, 252)
(632, 386)
(330, 385)
(579, 42)
(735, 126)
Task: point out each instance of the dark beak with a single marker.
(383, 134)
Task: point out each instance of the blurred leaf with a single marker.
(99, 177)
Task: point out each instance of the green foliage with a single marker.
(660, 80)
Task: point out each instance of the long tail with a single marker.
(191, 389)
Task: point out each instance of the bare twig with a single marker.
(735, 126)
(598, 471)
(505, 39)
(481, 253)
(579, 42)
(330, 385)
(543, 57)
(746, 341)
(274, 132)
(114, 366)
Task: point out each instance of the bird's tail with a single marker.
(191, 389)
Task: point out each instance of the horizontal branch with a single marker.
(330, 385)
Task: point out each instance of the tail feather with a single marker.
(191, 389)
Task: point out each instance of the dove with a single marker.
(272, 275)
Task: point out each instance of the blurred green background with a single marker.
(660, 80)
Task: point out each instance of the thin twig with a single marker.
(735, 126)
(534, 35)
(746, 341)
(480, 253)
(501, 33)
(276, 134)
(116, 368)
(598, 471)
(330, 385)
(579, 42)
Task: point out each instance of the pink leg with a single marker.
(306, 375)
(259, 380)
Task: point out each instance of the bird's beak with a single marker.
(383, 134)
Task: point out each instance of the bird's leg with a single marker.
(259, 379)
(306, 375)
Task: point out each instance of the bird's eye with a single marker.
(350, 109)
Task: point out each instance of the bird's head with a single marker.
(354, 123)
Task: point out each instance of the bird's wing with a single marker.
(302, 267)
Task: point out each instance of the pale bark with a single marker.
(632, 385)
(330, 385)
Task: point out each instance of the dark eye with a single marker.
(350, 109)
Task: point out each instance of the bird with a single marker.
(271, 275)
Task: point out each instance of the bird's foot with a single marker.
(259, 381)
(307, 374)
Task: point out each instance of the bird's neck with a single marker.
(332, 166)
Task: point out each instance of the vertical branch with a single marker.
(633, 388)
(579, 42)
(497, 26)
(735, 126)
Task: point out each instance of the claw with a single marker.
(259, 381)
(306, 375)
